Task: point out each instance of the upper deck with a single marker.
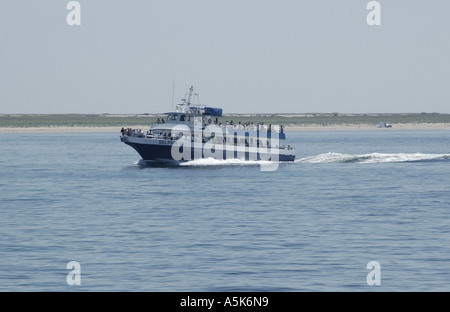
(201, 116)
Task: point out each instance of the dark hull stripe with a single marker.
(163, 152)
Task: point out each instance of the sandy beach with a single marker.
(365, 127)
(63, 129)
(341, 127)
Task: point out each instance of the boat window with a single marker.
(182, 117)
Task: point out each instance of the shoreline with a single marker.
(292, 127)
(368, 127)
(64, 129)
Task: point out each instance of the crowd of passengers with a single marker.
(250, 126)
(132, 132)
(239, 125)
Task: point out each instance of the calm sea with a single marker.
(313, 225)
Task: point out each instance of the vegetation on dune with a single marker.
(74, 120)
(110, 120)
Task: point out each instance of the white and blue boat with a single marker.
(194, 132)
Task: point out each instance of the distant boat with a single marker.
(383, 125)
(193, 132)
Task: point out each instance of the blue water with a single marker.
(313, 225)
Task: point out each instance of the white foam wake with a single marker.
(372, 158)
(225, 162)
(141, 163)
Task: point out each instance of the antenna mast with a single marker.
(191, 89)
(173, 90)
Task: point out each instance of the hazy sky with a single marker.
(241, 55)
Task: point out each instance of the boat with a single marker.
(382, 124)
(193, 131)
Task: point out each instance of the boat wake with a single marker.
(141, 163)
(205, 162)
(226, 162)
(318, 159)
(373, 158)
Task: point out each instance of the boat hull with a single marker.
(162, 151)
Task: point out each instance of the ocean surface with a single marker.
(314, 225)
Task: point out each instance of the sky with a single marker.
(244, 56)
